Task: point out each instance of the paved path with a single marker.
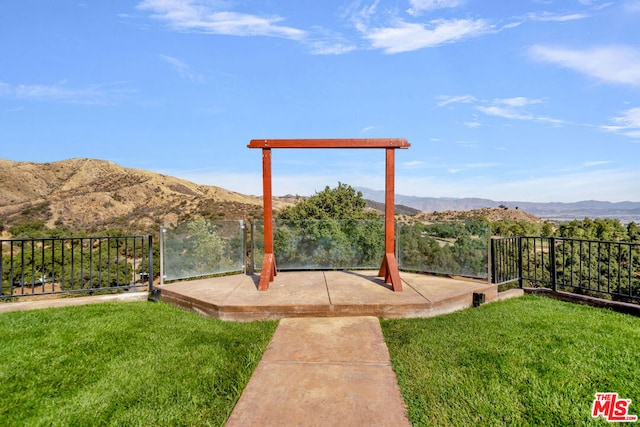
(323, 372)
(32, 303)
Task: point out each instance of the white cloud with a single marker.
(326, 42)
(630, 118)
(214, 17)
(628, 123)
(183, 69)
(555, 17)
(519, 101)
(446, 100)
(596, 163)
(405, 36)
(419, 6)
(207, 17)
(507, 113)
(323, 47)
(515, 109)
(367, 129)
(98, 94)
(612, 64)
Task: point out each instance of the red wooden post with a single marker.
(389, 268)
(389, 202)
(269, 262)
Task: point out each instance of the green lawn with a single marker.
(124, 364)
(526, 361)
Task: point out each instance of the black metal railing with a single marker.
(84, 264)
(580, 266)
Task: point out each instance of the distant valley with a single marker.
(557, 212)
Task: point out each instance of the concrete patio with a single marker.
(324, 294)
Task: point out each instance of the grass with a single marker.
(124, 364)
(526, 361)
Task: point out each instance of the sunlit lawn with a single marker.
(527, 361)
(124, 364)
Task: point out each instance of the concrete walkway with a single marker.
(33, 303)
(323, 372)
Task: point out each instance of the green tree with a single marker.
(603, 229)
(28, 230)
(342, 202)
(197, 248)
(331, 229)
(547, 229)
(633, 231)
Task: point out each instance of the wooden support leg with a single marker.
(389, 270)
(268, 271)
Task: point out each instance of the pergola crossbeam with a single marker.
(389, 267)
(330, 143)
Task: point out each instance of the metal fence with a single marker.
(579, 266)
(61, 265)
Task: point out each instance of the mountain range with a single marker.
(93, 195)
(556, 211)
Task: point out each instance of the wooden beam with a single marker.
(389, 202)
(269, 262)
(389, 268)
(330, 143)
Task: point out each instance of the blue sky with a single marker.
(528, 100)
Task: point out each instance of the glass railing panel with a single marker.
(451, 248)
(202, 248)
(324, 244)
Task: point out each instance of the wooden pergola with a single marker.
(389, 268)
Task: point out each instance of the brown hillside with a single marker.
(490, 214)
(95, 194)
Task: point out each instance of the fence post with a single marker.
(163, 230)
(489, 268)
(154, 293)
(252, 249)
(398, 226)
(552, 267)
(492, 261)
(243, 227)
(520, 268)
